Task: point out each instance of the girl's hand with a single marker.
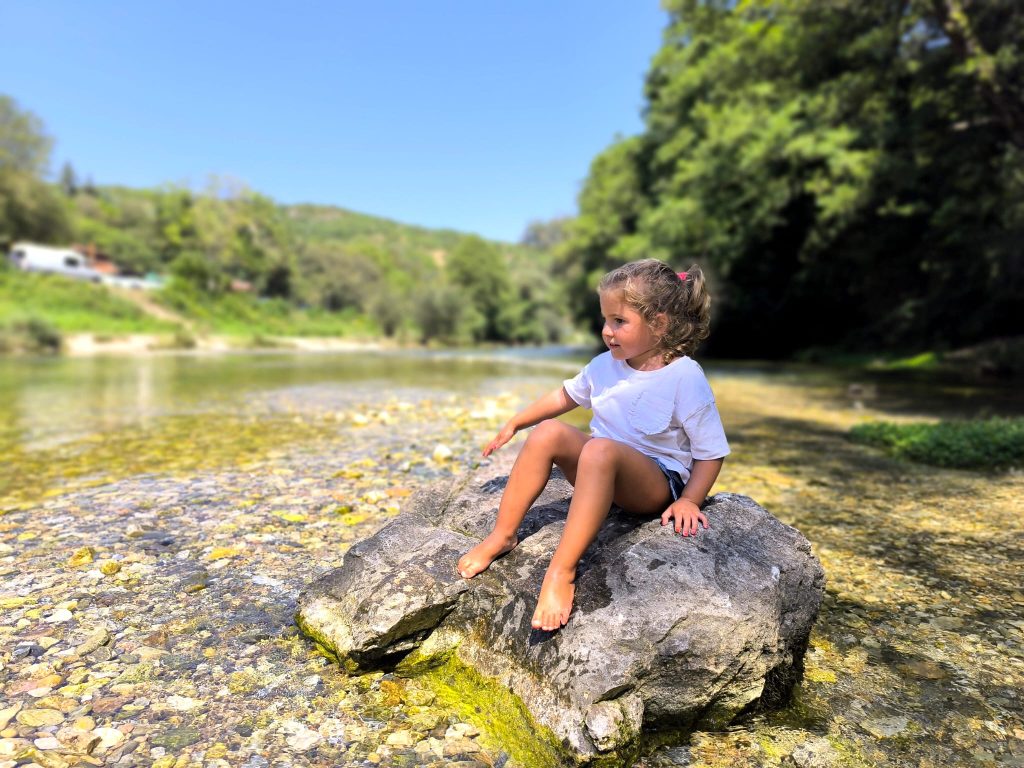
(686, 515)
(506, 434)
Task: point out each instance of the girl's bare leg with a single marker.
(550, 443)
(607, 471)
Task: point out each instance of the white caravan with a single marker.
(59, 261)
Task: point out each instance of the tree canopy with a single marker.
(849, 172)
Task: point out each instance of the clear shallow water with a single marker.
(44, 401)
(917, 656)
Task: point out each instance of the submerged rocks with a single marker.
(667, 632)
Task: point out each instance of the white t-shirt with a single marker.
(668, 414)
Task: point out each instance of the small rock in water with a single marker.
(400, 739)
(183, 703)
(7, 714)
(98, 638)
(11, 747)
(109, 738)
(195, 582)
(83, 556)
(815, 753)
(59, 615)
(38, 718)
(175, 738)
(301, 738)
(947, 622)
(885, 727)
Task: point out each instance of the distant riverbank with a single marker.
(86, 344)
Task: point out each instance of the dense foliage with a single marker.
(988, 444)
(850, 172)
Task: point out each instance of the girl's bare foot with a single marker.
(555, 602)
(483, 554)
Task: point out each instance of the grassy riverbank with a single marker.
(39, 312)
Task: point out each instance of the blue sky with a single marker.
(479, 115)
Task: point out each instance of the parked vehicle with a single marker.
(58, 261)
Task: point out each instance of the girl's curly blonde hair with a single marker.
(652, 287)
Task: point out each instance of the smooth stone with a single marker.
(815, 753)
(109, 738)
(175, 738)
(12, 747)
(7, 714)
(885, 727)
(38, 718)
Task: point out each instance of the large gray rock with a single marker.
(667, 632)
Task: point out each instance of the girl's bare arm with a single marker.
(554, 403)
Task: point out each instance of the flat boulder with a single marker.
(668, 633)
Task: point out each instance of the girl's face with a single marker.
(626, 333)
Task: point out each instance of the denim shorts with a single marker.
(675, 480)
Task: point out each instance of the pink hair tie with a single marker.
(682, 276)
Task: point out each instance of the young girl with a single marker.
(656, 442)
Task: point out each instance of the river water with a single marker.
(918, 654)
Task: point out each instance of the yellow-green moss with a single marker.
(323, 646)
(496, 711)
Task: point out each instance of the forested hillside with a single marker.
(239, 260)
(850, 172)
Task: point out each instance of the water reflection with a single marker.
(49, 401)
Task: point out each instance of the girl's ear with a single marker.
(660, 324)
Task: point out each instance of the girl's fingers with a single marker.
(666, 516)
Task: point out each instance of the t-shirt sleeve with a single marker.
(579, 387)
(707, 436)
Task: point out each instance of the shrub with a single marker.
(31, 335)
(996, 443)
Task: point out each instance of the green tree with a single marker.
(545, 235)
(29, 208)
(197, 271)
(442, 314)
(479, 269)
(24, 145)
(68, 180)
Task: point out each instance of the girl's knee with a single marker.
(599, 452)
(548, 432)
